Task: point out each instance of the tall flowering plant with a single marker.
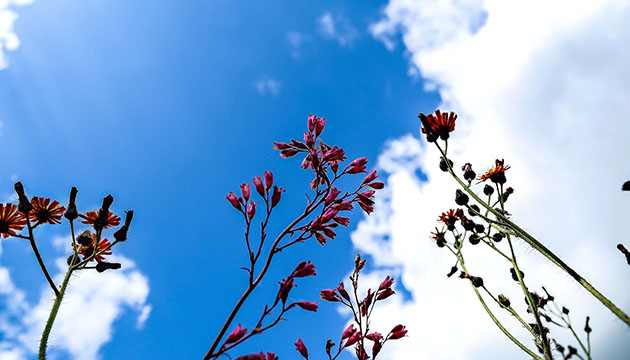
(320, 218)
(89, 250)
(482, 218)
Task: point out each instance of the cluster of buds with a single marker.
(247, 206)
(240, 334)
(355, 334)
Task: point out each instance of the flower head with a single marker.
(10, 220)
(450, 217)
(45, 212)
(87, 251)
(441, 124)
(90, 217)
(497, 173)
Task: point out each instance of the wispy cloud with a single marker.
(337, 28)
(91, 305)
(8, 38)
(269, 86)
(537, 96)
(296, 41)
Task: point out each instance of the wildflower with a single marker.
(329, 295)
(468, 224)
(236, 334)
(353, 339)
(450, 217)
(285, 287)
(469, 174)
(91, 217)
(276, 195)
(397, 332)
(251, 209)
(88, 251)
(268, 180)
(441, 124)
(245, 191)
(438, 236)
(301, 348)
(509, 191)
(45, 212)
(259, 186)
(10, 220)
(497, 173)
(348, 332)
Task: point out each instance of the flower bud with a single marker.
(479, 228)
(121, 234)
(469, 174)
(453, 271)
(259, 186)
(231, 197)
(71, 213)
(245, 191)
(24, 204)
(251, 209)
(301, 348)
(587, 328)
(514, 276)
(276, 195)
(498, 237)
(474, 239)
(476, 281)
(504, 300)
(468, 224)
(443, 165)
(475, 208)
(268, 180)
(488, 190)
(461, 199)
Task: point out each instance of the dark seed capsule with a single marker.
(474, 239)
(498, 237)
(461, 199)
(476, 281)
(468, 224)
(471, 208)
(480, 228)
(503, 300)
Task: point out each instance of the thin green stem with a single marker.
(538, 246)
(513, 312)
(31, 239)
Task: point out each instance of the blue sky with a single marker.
(171, 105)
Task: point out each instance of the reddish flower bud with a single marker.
(298, 144)
(236, 334)
(288, 153)
(347, 205)
(276, 195)
(285, 287)
(362, 161)
(329, 295)
(335, 154)
(268, 180)
(245, 191)
(271, 356)
(332, 195)
(251, 209)
(231, 197)
(370, 177)
(367, 208)
(320, 238)
(259, 186)
(374, 336)
(309, 140)
(342, 220)
(348, 332)
(314, 160)
(304, 269)
(334, 166)
(353, 339)
(311, 122)
(259, 356)
(329, 345)
(307, 305)
(377, 185)
(356, 169)
(329, 215)
(328, 232)
(342, 291)
(367, 302)
(319, 126)
(397, 332)
(385, 294)
(280, 146)
(306, 163)
(387, 283)
(301, 348)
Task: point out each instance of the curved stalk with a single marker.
(53, 313)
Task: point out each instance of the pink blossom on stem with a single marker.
(236, 334)
(329, 295)
(344, 221)
(306, 163)
(387, 283)
(320, 238)
(319, 126)
(397, 332)
(280, 145)
(342, 291)
(370, 177)
(285, 287)
(335, 154)
(251, 209)
(334, 166)
(309, 140)
(349, 331)
(245, 191)
(353, 339)
(377, 185)
(259, 186)
(276, 195)
(304, 269)
(385, 294)
(288, 153)
(307, 305)
(346, 205)
(359, 162)
(328, 232)
(332, 195)
(361, 353)
(301, 348)
(268, 180)
(231, 197)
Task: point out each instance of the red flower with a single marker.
(236, 334)
(45, 212)
(307, 305)
(87, 251)
(441, 124)
(91, 216)
(10, 220)
(450, 217)
(497, 173)
(397, 332)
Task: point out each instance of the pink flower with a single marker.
(342, 291)
(370, 177)
(329, 295)
(307, 305)
(385, 294)
(301, 348)
(353, 339)
(344, 221)
(377, 185)
(374, 336)
(304, 269)
(329, 215)
(387, 283)
(358, 162)
(397, 332)
(349, 331)
(332, 196)
(259, 186)
(251, 209)
(259, 356)
(236, 334)
(268, 180)
(285, 287)
(245, 191)
(347, 205)
(361, 353)
(276, 195)
(335, 154)
(231, 197)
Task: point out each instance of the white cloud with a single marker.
(92, 303)
(8, 39)
(545, 86)
(268, 86)
(337, 28)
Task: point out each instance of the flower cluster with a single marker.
(355, 334)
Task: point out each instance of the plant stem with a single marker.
(53, 313)
(31, 239)
(538, 246)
